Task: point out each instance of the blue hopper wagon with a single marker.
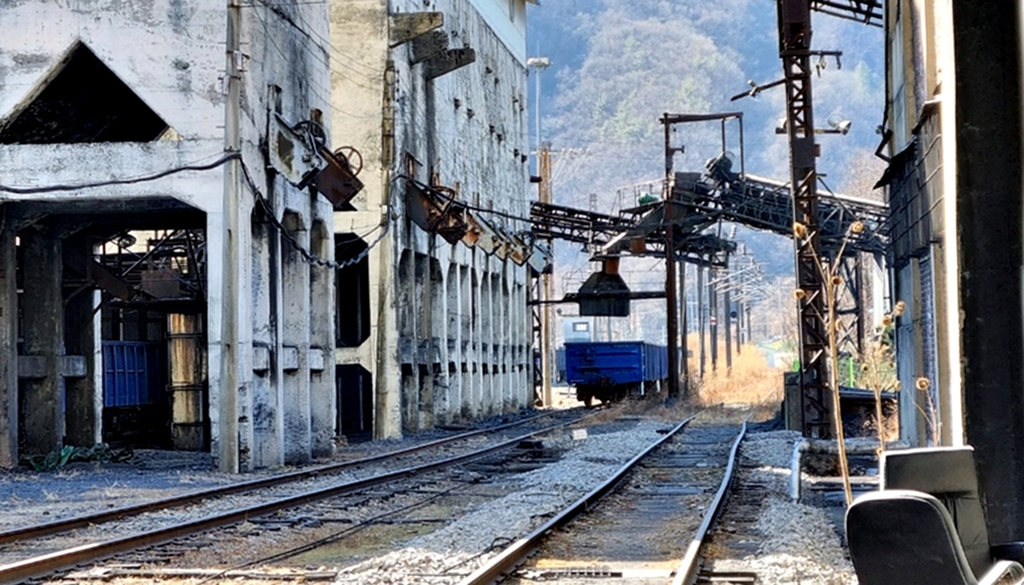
(613, 370)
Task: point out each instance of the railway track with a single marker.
(644, 524)
(34, 551)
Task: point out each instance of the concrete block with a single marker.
(260, 359)
(316, 359)
(31, 366)
(73, 366)
(289, 358)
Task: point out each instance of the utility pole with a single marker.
(728, 328)
(749, 332)
(229, 350)
(671, 300)
(547, 284)
(795, 51)
(739, 326)
(684, 344)
(701, 320)
(713, 302)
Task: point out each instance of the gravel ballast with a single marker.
(795, 542)
(790, 542)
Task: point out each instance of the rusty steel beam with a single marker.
(867, 11)
(671, 298)
(794, 21)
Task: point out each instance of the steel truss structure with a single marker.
(794, 23)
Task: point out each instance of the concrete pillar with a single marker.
(84, 416)
(295, 338)
(8, 351)
(267, 413)
(424, 342)
(494, 405)
(519, 398)
(439, 343)
(475, 332)
(453, 327)
(406, 290)
(989, 214)
(486, 345)
(42, 311)
(323, 405)
(505, 403)
(466, 343)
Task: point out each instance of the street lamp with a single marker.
(538, 64)
(837, 125)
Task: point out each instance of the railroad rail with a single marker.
(91, 552)
(503, 565)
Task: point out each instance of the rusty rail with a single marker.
(24, 533)
(503, 564)
(50, 563)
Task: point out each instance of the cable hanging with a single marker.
(113, 182)
(306, 255)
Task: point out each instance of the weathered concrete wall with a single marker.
(171, 54)
(451, 333)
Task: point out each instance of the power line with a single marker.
(317, 39)
(129, 181)
(304, 254)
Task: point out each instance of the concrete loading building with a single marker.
(433, 325)
(115, 167)
(168, 281)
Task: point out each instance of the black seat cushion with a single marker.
(901, 537)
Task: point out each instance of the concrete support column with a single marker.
(467, 336)
(486, 345)
(43, 320)
(267, 412)
(989, 215)
(425, 342)
(451, 356)
(384, 340)
(84, 416)
(438, 341)
(323, 405)
(406, 285)
(8, 351)
(295, 337)
(505, 403)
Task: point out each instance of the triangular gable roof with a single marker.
(81, 100)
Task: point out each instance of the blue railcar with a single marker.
(612, 370)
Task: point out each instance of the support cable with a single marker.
(113, 182)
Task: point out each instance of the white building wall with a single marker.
(171, 54)
(440, 351)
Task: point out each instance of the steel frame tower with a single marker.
(795, 51)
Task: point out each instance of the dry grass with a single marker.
(750, 382)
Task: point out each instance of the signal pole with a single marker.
(228, 403)
(547, 285)
(795, 51)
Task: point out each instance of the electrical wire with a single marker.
(304, 254)
(128, 181)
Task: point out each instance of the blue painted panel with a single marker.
(131, 375)
(614, 362)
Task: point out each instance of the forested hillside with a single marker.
(617, 65)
